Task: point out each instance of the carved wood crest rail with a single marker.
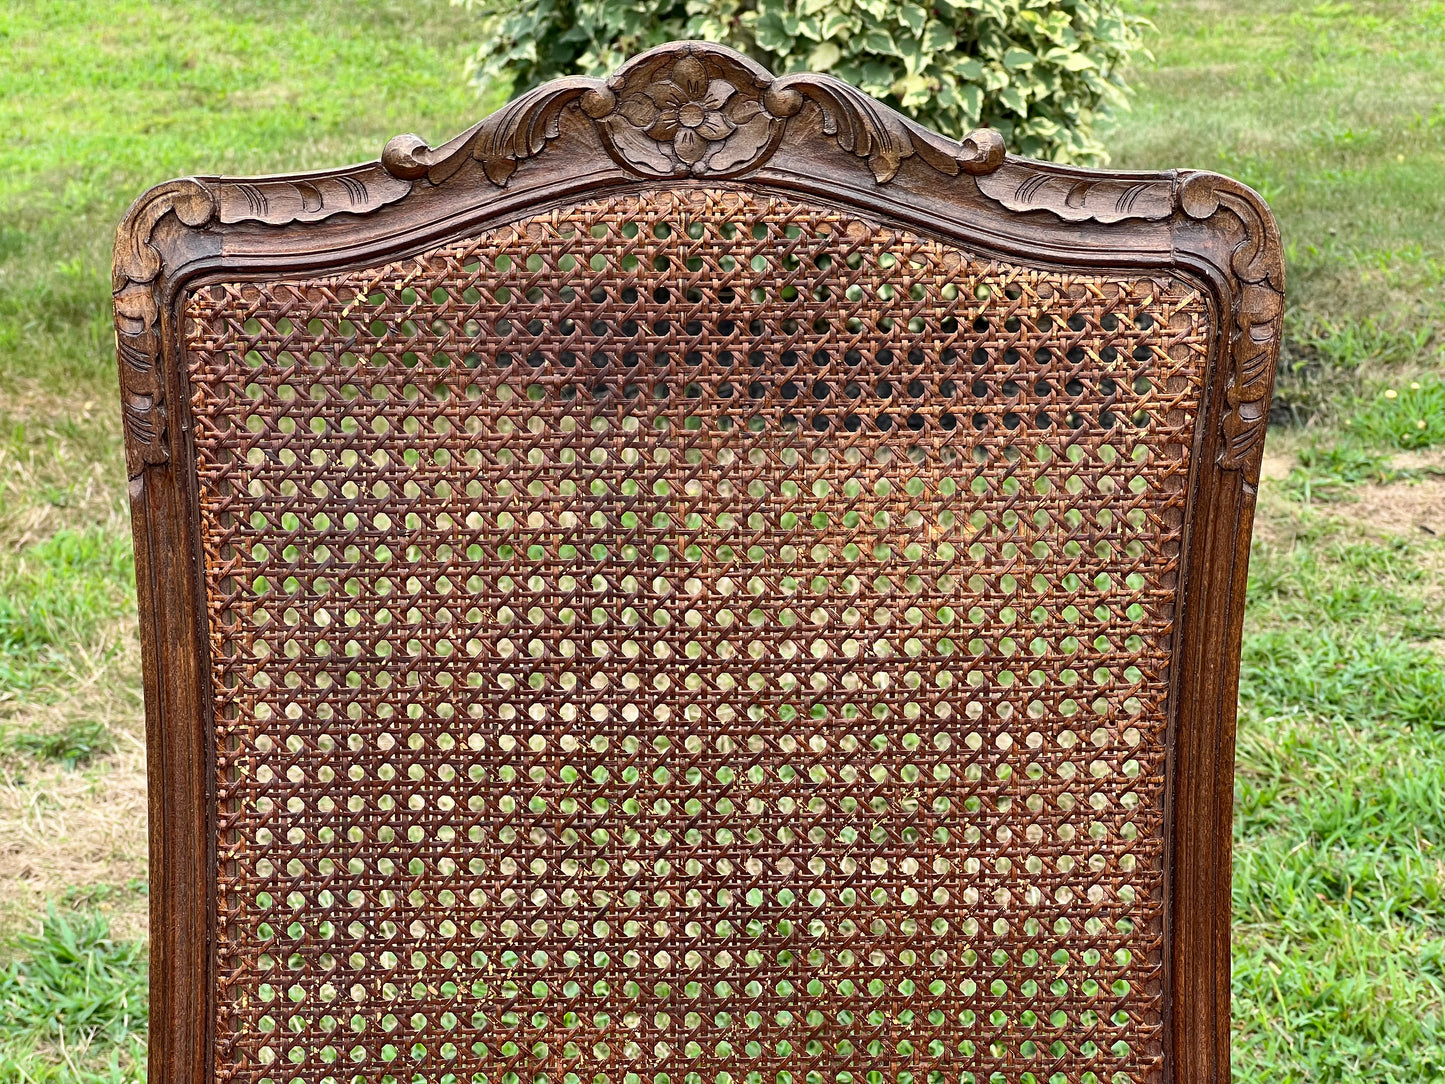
(699, 578)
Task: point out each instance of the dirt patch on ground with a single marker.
(1274, 519)
(1414, 508)
(1432, 459)
(70, 835)
(1275, 466)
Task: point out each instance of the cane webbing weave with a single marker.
(692, 636)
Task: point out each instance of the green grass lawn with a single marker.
(1335, 111)
(99, 101)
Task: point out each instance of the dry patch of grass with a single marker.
(72, 757)
(61, 464)
(1412, 508)
(73, 810)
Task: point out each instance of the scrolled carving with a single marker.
(1257, 263)
(519, 130)
(693, 109)
(1075, 196)
(136, 268)
(871, 130)
(280, 201)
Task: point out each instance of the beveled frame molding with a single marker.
(806, 134)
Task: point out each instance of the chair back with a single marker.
(698, 579)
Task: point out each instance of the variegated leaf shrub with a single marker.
(1045, 73)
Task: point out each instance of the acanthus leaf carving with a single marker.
(279, 201)
(867, 128)
(137, 266)
(520, 129)
(136, 259)
(1076, 196)
(1257, 263)
(693, 109)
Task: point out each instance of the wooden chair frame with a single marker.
(800, 137)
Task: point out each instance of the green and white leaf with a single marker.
(1045, 73)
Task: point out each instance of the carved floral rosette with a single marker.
(702, 115)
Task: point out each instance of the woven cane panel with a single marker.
(692, 637)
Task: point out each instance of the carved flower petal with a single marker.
(666, 95)
(690, 146)
(718, 92)
(744, 146)
(636, 149)
(744, 110)
(639, 109)
(715, 126)
(666, 125)
(690, 77)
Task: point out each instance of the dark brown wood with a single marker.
(693, 132)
